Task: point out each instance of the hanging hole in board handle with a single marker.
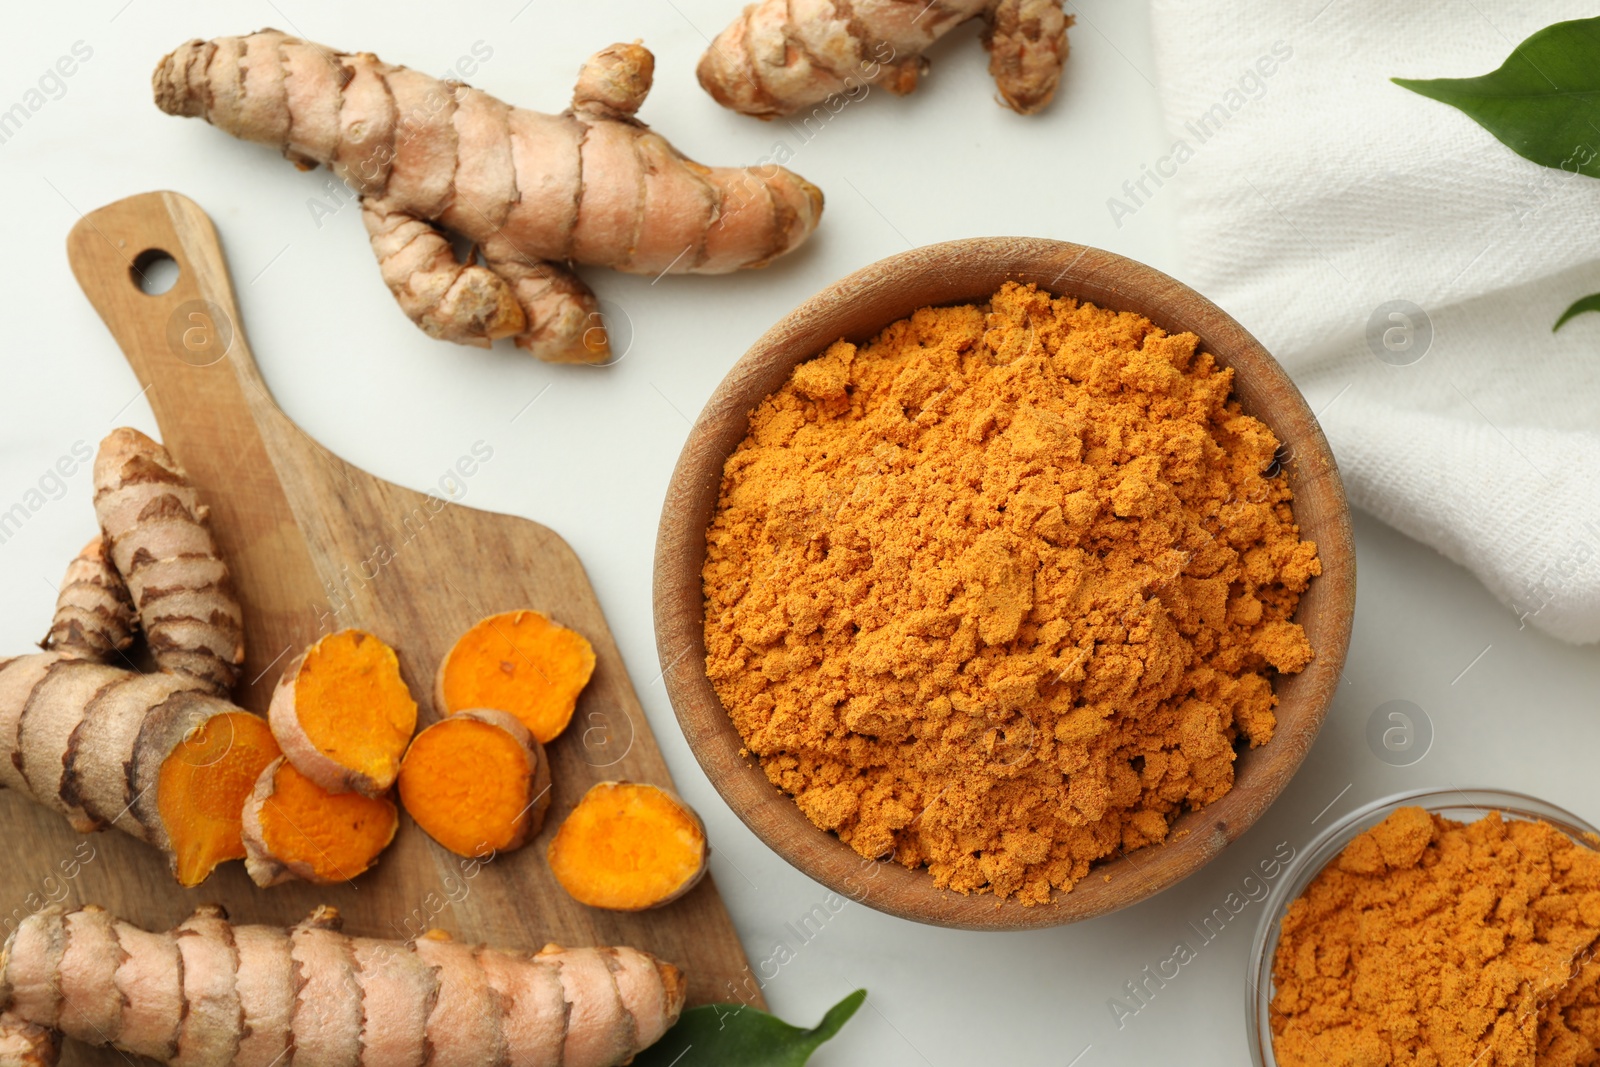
(199, 332)
(154, 271)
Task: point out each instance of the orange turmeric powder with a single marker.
(1429, 941)
(1000, 591)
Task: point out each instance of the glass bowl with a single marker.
(1462, 805)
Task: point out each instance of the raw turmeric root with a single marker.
(148, 754)
(160, 756)
(629, 847)
(210, 993)
(94, 613)
(532, 193)
(22, 1044)
(344, 715)
(156, 530)
(783, 57)
(295, 829)
(519, 662)
(478, 782)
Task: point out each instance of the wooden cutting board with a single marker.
(316, 545)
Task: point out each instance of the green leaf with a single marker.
(734, 1035)
(1544, 101)
(1588, 303)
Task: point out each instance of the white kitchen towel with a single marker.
(1404, 266)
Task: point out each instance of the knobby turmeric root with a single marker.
(150, 754)
(295, 829)
(478, 782)
(22, 1044)
(210, 993)
(533, 193)
(160, 543)
(160, 756)
(94, 613)
(519, 662)
(782, 57)
(629, 847)
(343, 714)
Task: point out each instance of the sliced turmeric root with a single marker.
(205, 765)
(477, 782)
(344, 715)
(519, 662)
(295, 829)
(629, 847)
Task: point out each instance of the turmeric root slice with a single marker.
(295, 829)
(477, 782)
(518, 662)
(344, 715)
(203, 757)
(629, 847)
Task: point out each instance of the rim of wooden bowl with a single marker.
(856, 308)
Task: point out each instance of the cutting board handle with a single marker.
(186, 345)
(188, 350)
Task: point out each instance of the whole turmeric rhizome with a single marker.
(1001, 591)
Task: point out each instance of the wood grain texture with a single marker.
(316, 544)
(855, 309)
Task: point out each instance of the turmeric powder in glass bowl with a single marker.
(1448, 926)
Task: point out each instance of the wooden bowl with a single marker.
(856, 309)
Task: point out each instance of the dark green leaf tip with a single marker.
(1588, 303)
(1540, 101)
(737, 1035)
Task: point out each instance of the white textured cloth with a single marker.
(1312, 192)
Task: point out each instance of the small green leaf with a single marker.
(1588, 303)
(1542, 102)
(733, 1035)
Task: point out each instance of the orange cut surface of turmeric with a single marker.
(628, 847)
(354, 707)
(518, 662)
(470, 786)
(324, 837)
(202, 790)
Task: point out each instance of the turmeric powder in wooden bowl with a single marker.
(1003, 584)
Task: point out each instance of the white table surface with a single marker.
(591, 458)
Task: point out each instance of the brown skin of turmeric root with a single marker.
(477, 782)
(343, 714)
(94, 613)
(519, 662)
(293, 829)
(629, 847)
(533, 193)
(253, 996)
(159, 540)
(782, 57)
